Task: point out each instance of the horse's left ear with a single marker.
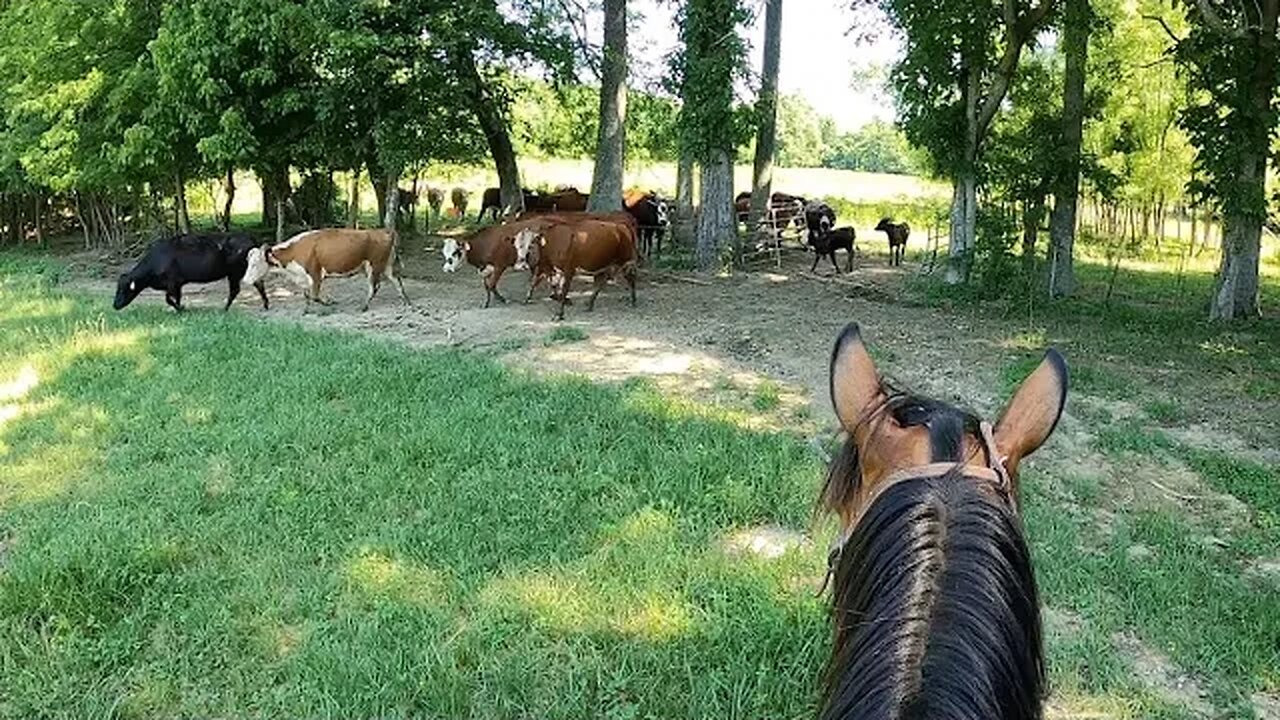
(855, 382)
(1033, 412)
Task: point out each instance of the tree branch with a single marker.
(1167, 30)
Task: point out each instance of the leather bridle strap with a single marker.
(994, 474)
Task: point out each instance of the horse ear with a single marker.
(855, 383)
(1033, 412)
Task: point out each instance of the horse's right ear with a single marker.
(855, 383)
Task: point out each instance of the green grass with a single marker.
(210, 515)
(766, 396)
(564, 334)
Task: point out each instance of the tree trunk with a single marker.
(1032, 216)
(353, 207)
(767, 111)
(1066, 190)
(389, 220)
(1235, 292)
(494, 125)
(229, 187)
(275, 192)
(180, 204)
(964, 200)
(684, 197)
(606, 180)
(38, 210)
(717, 226)
(378, 179)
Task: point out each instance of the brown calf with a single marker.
(600, 248)
(312, 256)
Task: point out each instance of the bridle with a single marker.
(995, 475)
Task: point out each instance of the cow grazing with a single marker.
(459, 196)
(897, 234)
(198, 258)
(601, 248)
(653, 216)
(312, 256)
(826, 244)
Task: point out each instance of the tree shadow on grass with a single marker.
(261, 518)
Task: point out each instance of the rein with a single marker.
(994, 474)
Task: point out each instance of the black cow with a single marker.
(492, 202)
(653, 215)
(819, 218)
(197, 258)
(826, 244)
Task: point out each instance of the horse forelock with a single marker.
(936, 609)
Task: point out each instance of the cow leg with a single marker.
(630, 275)
(832, 257)
(491, 283)
(374, 279)
(314, 295)
(534, 282)
(262, 292)
(816, 257)
(601, 279)
(849, 265)
(173, 296)
(564, 293)
(233, 285)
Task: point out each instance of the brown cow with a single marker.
(603, 249)
(491, 250)
(312, 256)
(568, 200)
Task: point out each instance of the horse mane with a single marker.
(934, 599)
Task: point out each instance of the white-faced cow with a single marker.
(312, 256)
(653, 217)
(491, 251)
(201, 258)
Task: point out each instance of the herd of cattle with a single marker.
(554, 239)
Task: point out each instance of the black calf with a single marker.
(827, 243)
(897, 234)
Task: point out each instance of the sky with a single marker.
(818, 61)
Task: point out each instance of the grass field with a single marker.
(216, 516)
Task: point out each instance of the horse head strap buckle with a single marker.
(995, 474)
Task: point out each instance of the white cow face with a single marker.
(258, 266)
(664, 213)
(455, 254)
(527, 242)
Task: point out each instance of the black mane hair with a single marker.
(935, 604)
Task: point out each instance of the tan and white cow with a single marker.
(314, 255)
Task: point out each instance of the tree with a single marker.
(606, 180)
(1066, 186)
(479, 31)
(959, 62)
(767, 114)
(800, 133)
(711, 59)
(1230, 59)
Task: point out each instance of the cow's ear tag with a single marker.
(542, 242)
(133, 286)
(466, 247)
